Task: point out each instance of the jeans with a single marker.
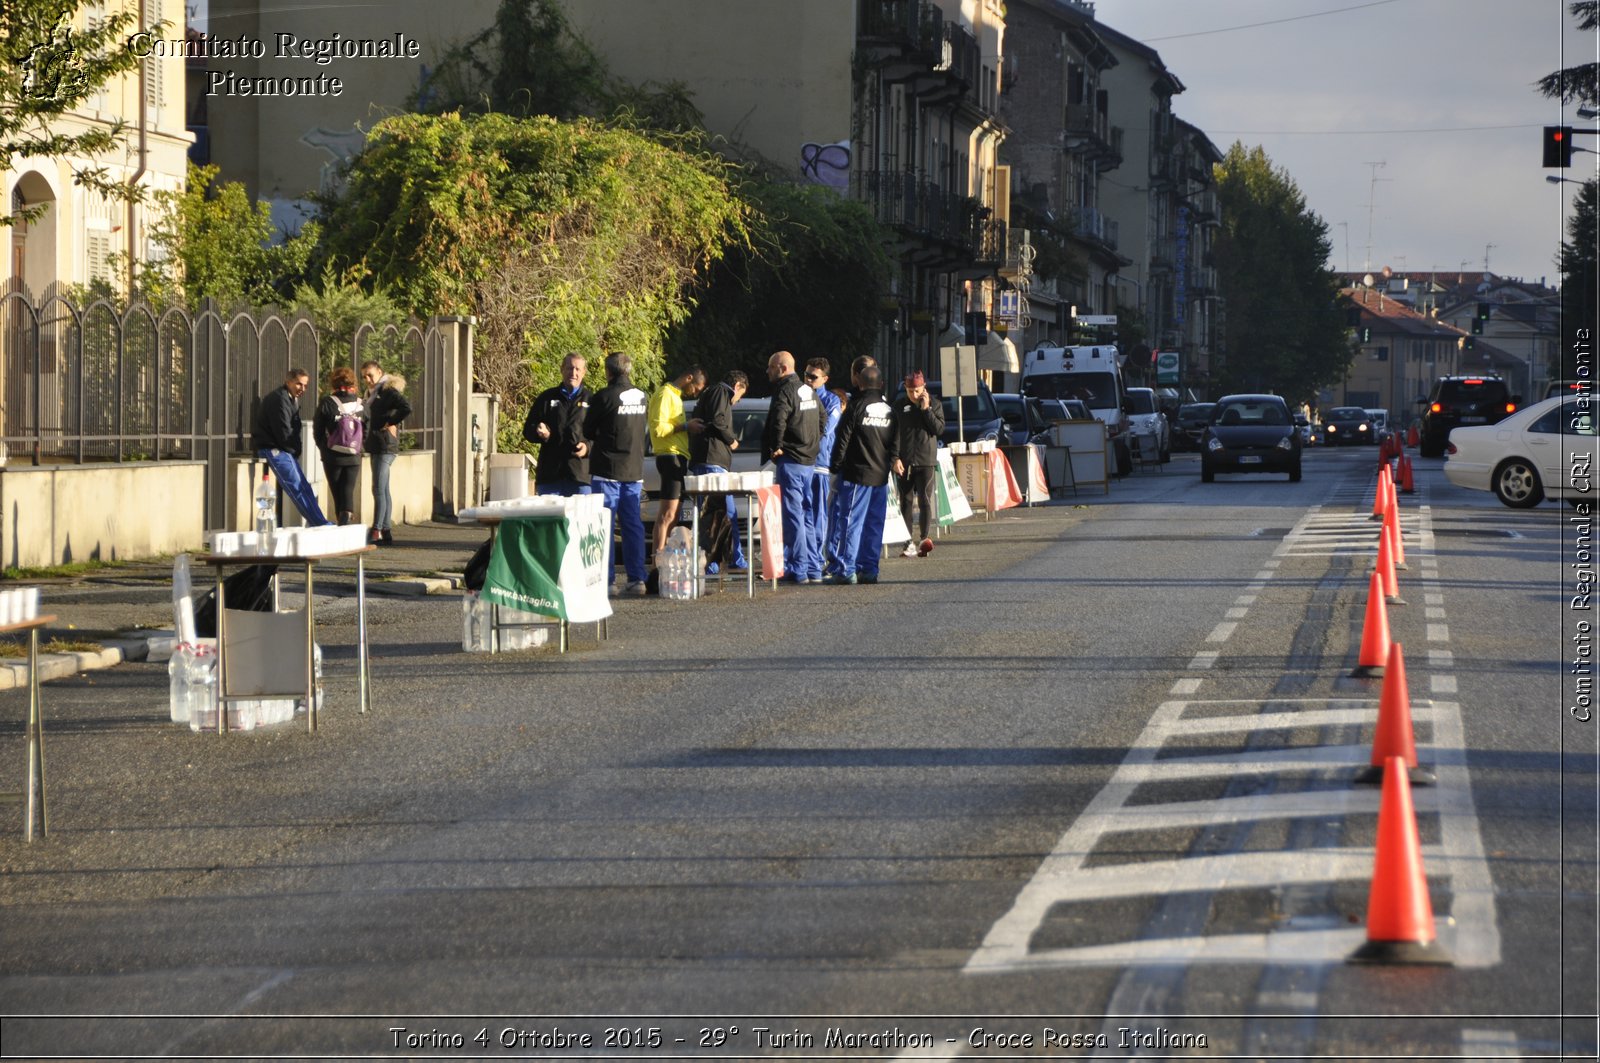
(286, 468)
(817, 516)
(794, 480)
(382, 503)
(622, 499)
(701, 469)
(566, 488)
(863, 510)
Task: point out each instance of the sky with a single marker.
(1440, 92)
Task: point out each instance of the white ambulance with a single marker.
(1092, 374)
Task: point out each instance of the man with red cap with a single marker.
(919, 421)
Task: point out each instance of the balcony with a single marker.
(939, 228)
(1087, 131)
(1095, 227)
(902, 37)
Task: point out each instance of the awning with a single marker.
(999, 354)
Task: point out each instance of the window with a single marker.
(97, 247)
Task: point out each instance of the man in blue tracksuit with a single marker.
(864, 450)
(816, 378)
(794, 426)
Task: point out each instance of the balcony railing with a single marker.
(913, 27)
(920, 209)
(1093, 225)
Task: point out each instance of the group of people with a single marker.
(594, 442)
(347, 424)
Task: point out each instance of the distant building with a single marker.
(74, 241)
(1401, 353)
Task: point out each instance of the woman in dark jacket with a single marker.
(340, 441)
(386, 408)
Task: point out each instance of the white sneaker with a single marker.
(910, 550)
(636, 589)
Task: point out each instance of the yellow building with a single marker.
(75, 239)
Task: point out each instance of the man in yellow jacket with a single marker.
(669, 438)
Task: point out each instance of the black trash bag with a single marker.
(477, 570)
(249, 589)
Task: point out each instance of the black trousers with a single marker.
(342, 480)
(919, 483)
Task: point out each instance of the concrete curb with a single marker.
(414, 587)
(60, 665)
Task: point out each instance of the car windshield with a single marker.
(979, 407)
(1142, 400)
(1251, 412)
(1196, 411)
(1097, 390)
(1347, 413)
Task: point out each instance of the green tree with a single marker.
(1579, 83)
(1580, 278)
(1285, 329)
(811, 281)
(50, 70)
(559, 236)
(217, 244)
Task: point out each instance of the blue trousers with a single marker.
(817, 515)
(622, 499)
(863, 510)
(382, 500)
(565, 488)
(293, 485)
(794, 480)
(739, 561)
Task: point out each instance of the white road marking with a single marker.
(1236, 613)
(1438, 632)
(1433, 613)
(1432, 599)
(1442, 684)
(1441, 658)
(1245, 599)
(1489, 1044)
(1186, 686)
(1203, 659)
(1222, 632)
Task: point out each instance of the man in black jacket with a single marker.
(794, 426)
(555, 422)
(275, 434)
(615, 427)
(920, 419)
(864, 449)
(712, 442)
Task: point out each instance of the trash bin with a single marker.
(508, 476)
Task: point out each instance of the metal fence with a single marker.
(102, 383)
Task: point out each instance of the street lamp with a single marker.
(1553, 179)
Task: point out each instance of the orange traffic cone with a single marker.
(1391, 586)
(1374, 634)
(1380, 496)
(1399, 913)
(1399, 445)
(1412, 436)
(1407, 485)
(1391, 524)
(1394, 736)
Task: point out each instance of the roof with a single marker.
(1383, 313)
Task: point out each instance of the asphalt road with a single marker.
(1084, 770)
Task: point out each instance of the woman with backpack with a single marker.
(386, 408)
(339, 428)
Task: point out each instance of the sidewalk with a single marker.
(128, 609)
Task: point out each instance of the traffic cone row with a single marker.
(1400, 926)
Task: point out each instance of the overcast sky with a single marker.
(1439, 91)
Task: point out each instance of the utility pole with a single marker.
(1346, 227)
(1372, 192)
(1486, 249)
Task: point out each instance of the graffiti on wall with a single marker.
(826, 164)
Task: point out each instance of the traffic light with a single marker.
(1557, 145)
(1477, 326)
(1483, 311)
(977, 327)
(1366, 333)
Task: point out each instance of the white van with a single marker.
(1093, 374)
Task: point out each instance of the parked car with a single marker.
(1567, 387)
(1024, 420)
(1250, 433)
(980, 415)
(1145, 419)
(1075, 409)
(1379, 419)
(749, 421)
(1347, 424)
(1462, 400)
(1544, 451)
(1192, 420)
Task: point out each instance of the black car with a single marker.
(1347, 424)
(1192, 420)
(1461, 400)
(1250, 433)
(979, 414)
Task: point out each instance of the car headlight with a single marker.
(1286, 443)
(1214, 443)
(1330, 428)
(1362, 427)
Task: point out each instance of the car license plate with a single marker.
(1474, 420)
(1250, 459)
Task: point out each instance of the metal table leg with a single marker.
(311, 655)
(35, 739)
(222, 652)
(698, 578)
(750, 543)
(361, 632)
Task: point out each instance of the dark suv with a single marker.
(1459, 400)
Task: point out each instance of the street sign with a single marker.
(1008, 305)
(1097, 319)
(1167, 366)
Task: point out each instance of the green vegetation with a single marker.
(1579, 255)
(72, 568)
(1285, 329)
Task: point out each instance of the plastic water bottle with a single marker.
(178, 682)
(203, 689)
(266, 513)
(675, 581)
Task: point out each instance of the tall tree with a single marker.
(51, 68)
(1285, 331)
(1580, 277)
